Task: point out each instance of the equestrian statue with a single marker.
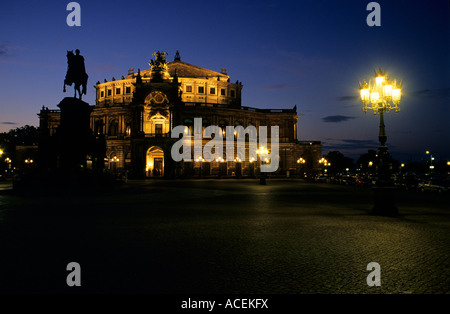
(76, 73)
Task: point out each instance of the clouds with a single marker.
(7, 50)
(8, 122)
(348, 98)
(349, 147)
(4, 50)
(350, 143)
(337, 118)
(432, 93)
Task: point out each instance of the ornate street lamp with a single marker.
(381, 95)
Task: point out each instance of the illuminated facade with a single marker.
(137, 113)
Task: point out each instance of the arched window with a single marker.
(114, 127)
(189, 123)
(223, 126)
(98, 127)
(205, 124)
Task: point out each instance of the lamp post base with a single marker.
(384, 201)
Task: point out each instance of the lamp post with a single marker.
(115, 160)
(431, 161)
(262, 152)
(301, 162)
(1, 153)
(8, 162)
(28, 163)
(381, 95)
(222, 165)
(200, 160)
(238, 167)
(325, 163)
(252, 167)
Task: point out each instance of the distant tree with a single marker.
(367, 162)
(26, 136)
(417, 167)
(339, 163)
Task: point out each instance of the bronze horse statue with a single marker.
(76, 73)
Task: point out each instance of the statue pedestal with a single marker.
(75, 136)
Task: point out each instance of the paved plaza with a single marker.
(224, 236)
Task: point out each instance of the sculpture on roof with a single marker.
(76, 73)
(160, 60)
(177, 56)
(159, 70)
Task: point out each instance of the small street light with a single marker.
(200, 160)
(222, 166)
(262, 152)
(431, 159)
(115, 160)
(8, 161)
(381, 95)
(300, 163)
(325, 163)
(252, 167)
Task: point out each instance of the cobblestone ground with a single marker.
(225, 236)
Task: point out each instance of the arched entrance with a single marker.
(154, 162)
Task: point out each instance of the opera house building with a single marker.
(135, 116)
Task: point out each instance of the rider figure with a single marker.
(78, 65)
(76, 72)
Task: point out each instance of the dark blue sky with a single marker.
(306, 53)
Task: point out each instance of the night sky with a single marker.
(306, 53)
